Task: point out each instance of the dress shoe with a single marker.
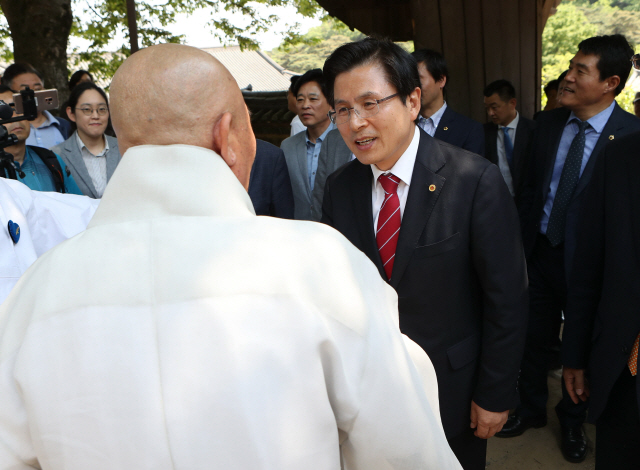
(517, 424)
(574, 444)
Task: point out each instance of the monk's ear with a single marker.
(221, 131)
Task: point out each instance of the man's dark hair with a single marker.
(77, 76)
(400, 68)
(313, 75)
(16, 69)
(5, 88)
(293, 79)
(503, 88)
(434, 62)
(552, 85)
(561, 77)
(614, 56)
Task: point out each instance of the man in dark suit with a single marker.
(603, 303)
(269, 183)
(508, 136)
(436, 118)
(441, 227)
(561, 167)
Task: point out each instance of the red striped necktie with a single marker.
(388, 222)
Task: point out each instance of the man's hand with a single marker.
(576, 385)
(487, 423)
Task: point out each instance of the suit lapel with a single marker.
(363, 213)
(492, 144)
(301, 152)
(611, 128)
(75, 160)
(443, 125)
(424, 190)
(553, 142)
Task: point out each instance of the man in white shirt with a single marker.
(508, 135)
(192, 334)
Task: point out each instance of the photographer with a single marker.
(38, 168)
(46, 129)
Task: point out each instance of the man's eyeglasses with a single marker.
(635, 60)
(88, 111)
(368, 109)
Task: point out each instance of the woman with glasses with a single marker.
(91, 155)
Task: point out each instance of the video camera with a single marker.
(27, 103)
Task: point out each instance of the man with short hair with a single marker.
(39, 168)
(303, 149)
(46, 130)
(551, 92)
(508, 135)
(565, 144)
(292, 105)
(441, 227)
(636, 104)
(180, 331)
(436, 118)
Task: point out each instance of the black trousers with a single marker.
(618, 427)
(470, 450)
(548, 298)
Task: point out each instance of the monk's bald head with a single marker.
(175, 94)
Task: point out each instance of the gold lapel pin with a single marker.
(432, 188)
(611, 137)
(445, 128)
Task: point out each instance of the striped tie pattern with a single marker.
(633, 358)
(388, 222)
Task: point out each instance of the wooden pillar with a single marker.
(483, 41)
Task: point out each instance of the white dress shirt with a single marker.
(430, 124)
(502, 155)
(182, 332)
(96, 164)
(403, 169)
(297, 126)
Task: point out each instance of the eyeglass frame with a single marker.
(91, 110)
(333, 114)
(635, 61)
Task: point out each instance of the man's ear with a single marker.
(70, 114)
(414, 103)
(612, 83)
(221, 131)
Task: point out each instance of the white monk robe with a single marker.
(44, 218)
(180, 331)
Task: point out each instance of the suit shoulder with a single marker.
(626, 117)
(552, 116)
(291, 142)
(462, 158)
(462, 119)
(266, 149)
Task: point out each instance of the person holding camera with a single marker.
(91, 155)
(37, 167)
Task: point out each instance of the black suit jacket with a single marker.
(602, 318)
(546, 139)
(521, 150)
(461, 131)
(459, 271)
(269, 183)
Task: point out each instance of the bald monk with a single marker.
(179, 331)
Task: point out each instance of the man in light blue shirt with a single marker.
(565, 146)
(303, 149)
(46, 130)
(37, 167)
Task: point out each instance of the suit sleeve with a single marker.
(281, 192)
(327, 204)
(498, 259)
(585, 287)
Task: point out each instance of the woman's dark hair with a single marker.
(77, 92)
(77, 76)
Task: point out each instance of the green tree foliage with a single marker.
(562, 34)
(317, 44)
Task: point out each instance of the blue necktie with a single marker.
(568, 182)
(508, 148)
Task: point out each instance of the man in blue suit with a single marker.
(269, 183)
(436, 118)
(565, 145)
